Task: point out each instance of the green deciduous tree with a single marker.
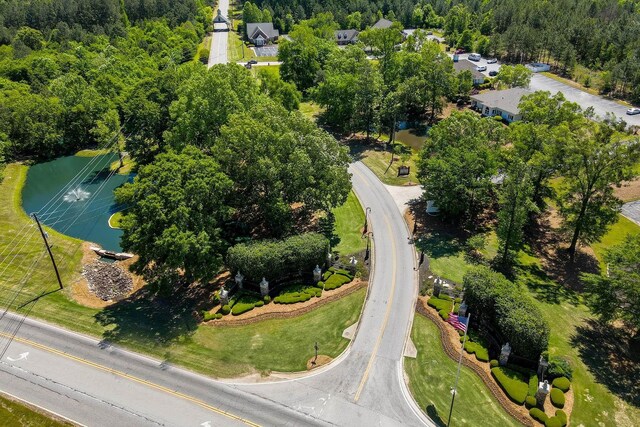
(279, 90)
(457, 162)
(616, 295)
(596, 159)
(383, 42)
(513, 76)
(177, 207)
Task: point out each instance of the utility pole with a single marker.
(46, 244)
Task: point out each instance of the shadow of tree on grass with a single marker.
(606, 351)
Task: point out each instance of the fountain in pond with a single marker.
(77, 195)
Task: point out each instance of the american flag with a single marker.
(458, 322)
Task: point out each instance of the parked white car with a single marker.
(475, 57)
(492, 61)
(481, 68)
(633, 111)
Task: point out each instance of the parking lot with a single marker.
(266, 50)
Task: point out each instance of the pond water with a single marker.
(80, 210)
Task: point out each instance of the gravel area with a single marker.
(107, 281)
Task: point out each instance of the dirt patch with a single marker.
(314, 362)
(629, 192)
(80, 291)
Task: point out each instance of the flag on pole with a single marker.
(458, 322)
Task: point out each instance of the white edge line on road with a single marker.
(45, 410)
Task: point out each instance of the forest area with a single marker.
(600, 35)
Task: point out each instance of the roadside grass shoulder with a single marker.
(349, 221)
(14, 414)
(432, 374)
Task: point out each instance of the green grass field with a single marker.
(13, 414)
(615, 236)
(379, 163)
(432, 374)
(349, 222)
(114, 220)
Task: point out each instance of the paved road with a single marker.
(97, 384)
(219, 39)
(632, 211)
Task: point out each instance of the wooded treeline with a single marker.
(603, 35)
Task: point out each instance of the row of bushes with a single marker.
(292, 296)
(275, 259)
(333, 278)
(476, 348)
(444, 304)
(514, 384)
(558, 420)
(504, 304)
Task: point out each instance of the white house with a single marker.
(503, 103)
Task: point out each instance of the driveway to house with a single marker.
(631, 210)
(219, 39)
(95, 383)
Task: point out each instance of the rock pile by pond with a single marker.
(107, 281)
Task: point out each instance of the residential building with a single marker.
(503, 103)
(464, 64)
(261, 33)
(344, 37)
(221, 23)
(382, 23)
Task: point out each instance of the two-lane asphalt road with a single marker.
(97, 384)
(219, 39)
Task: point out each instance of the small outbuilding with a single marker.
(221, 22)
(503, 103)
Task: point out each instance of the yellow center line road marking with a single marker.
(133, 378)
(386, 317)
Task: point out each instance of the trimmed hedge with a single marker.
(297, 293)
(559, 367)
(562, 416)
(533, 385)
(225, 309)
(557, 398)
(444, 314)
(530, 402)
(440, 303)
(266, 299)
(275, 259)
(259, 303)
(539, 415)
(335, 281)
(512, 383)
(494, 363)
(562, 383)
(326, 275)
(481, 352)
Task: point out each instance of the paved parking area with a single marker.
(266, 50)
(632, 211)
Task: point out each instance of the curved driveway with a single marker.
(97, 384)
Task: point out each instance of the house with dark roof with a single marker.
(262, 33)
(503, 103)
(464, 64)
(344, 37)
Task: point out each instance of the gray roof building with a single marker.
(464, 64)
(346, 36)
(260, 33)
(503, 103)
(382, 23)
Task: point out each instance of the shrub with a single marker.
(209, 316)
(512, 383)
(218, 316)
(225, 309)
(533, 385)
(343, 272)
(274, 259)
(320, 284)
(559, 367)
(562, 383)
(530, 402)
(259, 303)
(539, 415)
(444, 314)
(557, 398)
(240, 308)
(494, 363)
(266, 299)
(474, 347)
(562, 416)
(335, 281)
(326, 275)
(440, 303)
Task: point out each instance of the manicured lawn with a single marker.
(15, 414)
(349, 222)
(615, 236)
(155, 327)
(432, 374)
(380, 163)
(271, 345)
(114, 220)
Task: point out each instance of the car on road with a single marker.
(252, 62)
(459, 51)
(492, 61)
(475, 57)
(493, 73)
(633, 111)
(481, 68)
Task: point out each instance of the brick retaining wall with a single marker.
(454, 354)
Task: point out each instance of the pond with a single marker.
(81, 193)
